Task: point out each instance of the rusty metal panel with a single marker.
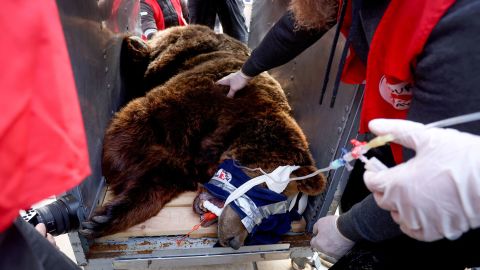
(164, 252)
(149, 246)
(302, 80)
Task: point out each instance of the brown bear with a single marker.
(172, 138)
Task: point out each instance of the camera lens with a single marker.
(60, 216)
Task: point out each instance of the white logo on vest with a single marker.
(223, 175)
(398, 95)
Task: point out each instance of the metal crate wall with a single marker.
(94, 37)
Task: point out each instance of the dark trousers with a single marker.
(230, 13)
(404, 253)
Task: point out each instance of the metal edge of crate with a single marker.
(338, 178)
(193, 257)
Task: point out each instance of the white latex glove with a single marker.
(328, 241)
(436, 194)
(236, 81)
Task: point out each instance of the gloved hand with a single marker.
(328, 241)
(436, 194)
(236, 81)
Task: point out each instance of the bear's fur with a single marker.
(175, 136)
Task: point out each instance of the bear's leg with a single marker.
(129, 208)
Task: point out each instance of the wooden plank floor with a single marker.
(177, 218)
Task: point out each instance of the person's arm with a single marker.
(446, 77)
(149, 26)
(22, 247)
(281, 44)
(367, 221)
(446, 83)
(436, 193)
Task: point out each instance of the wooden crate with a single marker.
(177, 218)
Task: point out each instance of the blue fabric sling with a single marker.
(263, 212)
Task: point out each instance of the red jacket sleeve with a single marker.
(43, 148)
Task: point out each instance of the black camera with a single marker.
(59, 217)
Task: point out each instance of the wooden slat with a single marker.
(169, 221)
(185, 199)
(178, 218)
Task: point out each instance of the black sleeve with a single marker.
(23, 248)
(366, 221)
(149, 26)
(447, 75)
(281, 44)
(447, 80)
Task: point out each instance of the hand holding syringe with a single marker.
(358, 151)
(375, 165)
(434, 194)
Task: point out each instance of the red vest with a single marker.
(398, 41)
(158, 13)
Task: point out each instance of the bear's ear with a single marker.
(134, 60)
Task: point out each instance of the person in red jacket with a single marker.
(158, 15)
(419, 61)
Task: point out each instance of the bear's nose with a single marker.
(234, 243)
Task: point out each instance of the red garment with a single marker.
(398, 41)
(43, 150)
(158, 13)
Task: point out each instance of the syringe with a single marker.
(358, 151)
(373, 164)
